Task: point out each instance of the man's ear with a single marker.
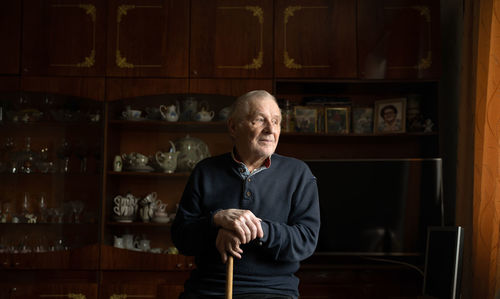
(231, 125)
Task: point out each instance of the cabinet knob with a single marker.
(16, 264)
(178, 266)
(190, 265)
(14, 289)
(195, 72)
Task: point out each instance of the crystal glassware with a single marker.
(63, 154)
(81, 151)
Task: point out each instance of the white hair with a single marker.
(240, 107)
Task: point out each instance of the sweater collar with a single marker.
(237, 159)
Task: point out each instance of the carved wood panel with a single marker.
(63, 37)
(10, 36)
(148, 38)
(315, 38)
(231, 38)
(398, 39)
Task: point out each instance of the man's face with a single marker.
(257, 135)
(389, 115)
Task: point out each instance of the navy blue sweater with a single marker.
(284, 196)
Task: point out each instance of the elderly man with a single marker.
(258, 206)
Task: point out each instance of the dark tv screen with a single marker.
(377, 206)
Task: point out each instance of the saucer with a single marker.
(161, 219)
(144, 168)
(134, 118)
(123, 218)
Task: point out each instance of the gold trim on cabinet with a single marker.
(70, 295)
(257, 62)
(289, 62)
(426, 62)
(120, 60)
(90, 10)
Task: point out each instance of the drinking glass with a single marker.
(64, 153)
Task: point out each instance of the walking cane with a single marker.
(229, 278)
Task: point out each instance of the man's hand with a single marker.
(228, 242)
(243, 223)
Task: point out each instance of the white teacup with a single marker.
(118, 243)
(144, 245)
(128, 241)
(132, 114)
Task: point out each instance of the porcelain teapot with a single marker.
(191, 151)
(167, 160)
(170, 113)
(204, 115)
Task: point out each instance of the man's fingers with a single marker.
(260, 232)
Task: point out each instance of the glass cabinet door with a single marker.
(51, 170)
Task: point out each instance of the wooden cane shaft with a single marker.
(229, 278)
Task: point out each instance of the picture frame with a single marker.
(362, 120)
(306, 119)
(337, 120)
(390, 116)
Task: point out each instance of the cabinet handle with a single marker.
(178, 266)
(16, 264)
(190, 265)
(5, 263)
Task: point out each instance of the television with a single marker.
(443, 262)
(377, 206)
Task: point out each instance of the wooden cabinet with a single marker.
(398, 39)
(231, 38)
(148, 38)
(10, 36)
(63, 38)
(125, 284)
(48, 284)
(228, 87)
(315, 39)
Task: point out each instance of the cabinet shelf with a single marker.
(137, 223)
(181, 175)
(49, 124)
(68, 225)
(295, 137)
(156, 125)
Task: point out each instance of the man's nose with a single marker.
(269, 127)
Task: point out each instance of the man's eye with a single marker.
(259, 120)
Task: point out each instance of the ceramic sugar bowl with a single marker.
(167, 160)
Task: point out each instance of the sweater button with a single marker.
(249, 180)
(249, 193)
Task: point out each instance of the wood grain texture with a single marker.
(315, 38)
(231, 38)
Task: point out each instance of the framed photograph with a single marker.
(362, 120)
(337, 120)
(306, 119)
(390, 116)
